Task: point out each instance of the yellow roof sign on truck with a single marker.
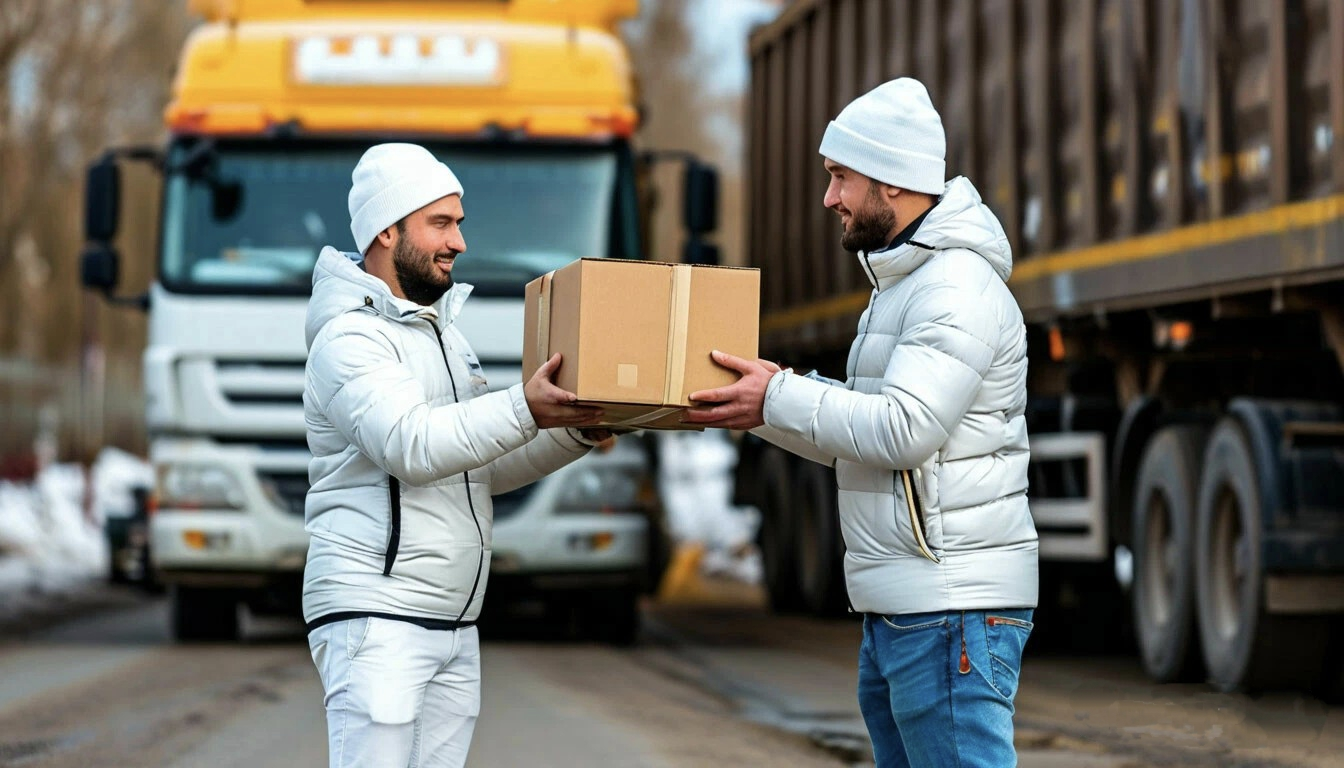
(543, 68)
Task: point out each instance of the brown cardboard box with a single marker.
(636, 335)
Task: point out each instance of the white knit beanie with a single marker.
(390, 181)
(891, 134)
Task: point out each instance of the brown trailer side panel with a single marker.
(1135, 150)
(800, 288)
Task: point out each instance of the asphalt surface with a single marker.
(714, 681)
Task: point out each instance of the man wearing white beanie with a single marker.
(408, 446)
(927, 435)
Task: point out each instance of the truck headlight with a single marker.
(197, 486)
(600, 489)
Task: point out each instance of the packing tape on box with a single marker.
(678, 325)
(647, 418)
(543, 321)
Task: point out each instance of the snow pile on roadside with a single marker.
(48, 546)
(116, 475)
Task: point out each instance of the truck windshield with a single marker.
(246, 217)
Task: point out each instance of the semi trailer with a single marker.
(1171, 178)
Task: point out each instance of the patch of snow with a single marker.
(116, 475)
(49, 546)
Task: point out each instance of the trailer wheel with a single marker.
(614, 618)
(203, 614)
(1245, 647)
(778, 533)
(820, 547)
(1163, 544)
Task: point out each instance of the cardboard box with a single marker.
(636, 335)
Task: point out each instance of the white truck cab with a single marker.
(274, 103)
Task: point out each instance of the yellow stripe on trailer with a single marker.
(1274, 221)
(839, 306)
(1278, 220)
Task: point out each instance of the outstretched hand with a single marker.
(552, 406)
(740, 405)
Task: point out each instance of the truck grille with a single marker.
(291, 488)
(265, 383)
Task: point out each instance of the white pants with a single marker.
(398, 695)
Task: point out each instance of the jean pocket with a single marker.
(356, 632)
(914, 622)
(1006, 636)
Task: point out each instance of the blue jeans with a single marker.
(936, 689)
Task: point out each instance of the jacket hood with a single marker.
(959, 220)
(340, 285)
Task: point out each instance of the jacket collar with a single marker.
(377, 295)
(959, 219)
(886, 267)
(907, 234)
(341, 285)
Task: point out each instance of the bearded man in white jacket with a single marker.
(408, 446)
(927, 436)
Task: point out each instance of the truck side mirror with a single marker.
(102, 200)
(99, 267)
(226, 200)
(701, 204)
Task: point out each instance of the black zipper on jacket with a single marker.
(872, 276)
(480, 560)
(393, 502)
(394, 538)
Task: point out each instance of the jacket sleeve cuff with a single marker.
(577, 436)
(522, 412)
(791, 403)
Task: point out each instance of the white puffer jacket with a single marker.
(408, 446)
(927, 435)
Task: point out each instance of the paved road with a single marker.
(715, 682)
(112, 691)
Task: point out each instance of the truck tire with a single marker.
(1244, 645)
(615, 618)
(820, 547)
(1163, 545)
(778, 533)
(116, 537)
(202, 615)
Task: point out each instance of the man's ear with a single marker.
(890, 192)
(388, 237)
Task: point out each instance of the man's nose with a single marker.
(832, 196)
(456, 242)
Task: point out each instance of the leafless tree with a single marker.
(75, 76)
(674, 76)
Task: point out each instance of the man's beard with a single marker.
(420, 279)
(870, 226)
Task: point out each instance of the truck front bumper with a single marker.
(263, 535)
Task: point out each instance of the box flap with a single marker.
(624, 308)
(536, 324)
(727, 317)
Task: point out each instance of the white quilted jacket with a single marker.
(927, 434)
(408, 446)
